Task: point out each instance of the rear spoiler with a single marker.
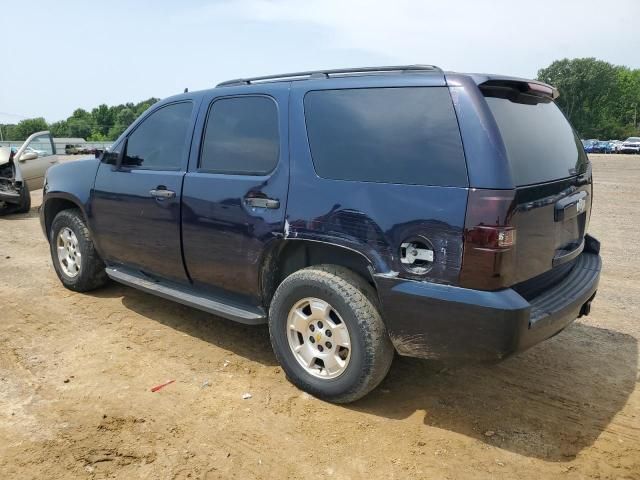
(534, 87)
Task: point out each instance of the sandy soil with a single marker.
(76, 372)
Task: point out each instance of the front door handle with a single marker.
(257, 202)
(162, 193)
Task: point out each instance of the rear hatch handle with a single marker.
(570, 206)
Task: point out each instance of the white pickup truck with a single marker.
(23, 171)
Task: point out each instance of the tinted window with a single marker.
(159, 142)
(540, 143)
(241, 136)
(392, 135)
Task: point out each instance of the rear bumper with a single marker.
(442, 322)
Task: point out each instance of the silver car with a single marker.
(24, 170)
(631, 145)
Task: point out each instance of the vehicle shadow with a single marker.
(550, 402)
(11, 215)
(248, 341)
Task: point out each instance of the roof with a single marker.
(487, 80)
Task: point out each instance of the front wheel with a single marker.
(328, 334)
(74, 257)
(25, 199)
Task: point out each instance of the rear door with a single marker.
(552, 175)
(135, 209)
(235, 191)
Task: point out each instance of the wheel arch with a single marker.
(295, 254)
(56, 203)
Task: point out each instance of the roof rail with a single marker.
(312, 74)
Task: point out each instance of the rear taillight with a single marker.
(488, 261)
(493, 238)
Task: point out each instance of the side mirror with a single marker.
(98, 153)
(28, 156)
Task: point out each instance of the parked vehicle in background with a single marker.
(71, 149)
(341, 209)
(591, 146)
(23, 170)
(605, 146)
(631, 145)
(615, 146)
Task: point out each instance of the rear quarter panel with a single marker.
(372, 218)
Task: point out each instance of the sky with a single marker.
(58, 56)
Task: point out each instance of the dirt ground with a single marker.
(76, 372)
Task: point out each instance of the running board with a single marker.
(186, 296)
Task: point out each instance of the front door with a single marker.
(235, 192)
(135, 208)
(35, 157)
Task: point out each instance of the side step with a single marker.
(189, 297)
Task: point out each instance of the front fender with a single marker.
(67, 183)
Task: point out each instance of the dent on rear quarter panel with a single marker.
(372, 218)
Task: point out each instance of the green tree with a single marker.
(80, 124)
(596, 95)
(143, 106)
(124, 118)
(9, 132)
(59, 129)
(102, 120)
(29, 126)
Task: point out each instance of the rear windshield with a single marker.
(405, 135)
(541, 144)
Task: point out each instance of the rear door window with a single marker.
(241, 136)
(541, 144)
(405, 135)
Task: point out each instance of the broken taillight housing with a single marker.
(488, 261)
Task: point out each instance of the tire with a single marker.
(25, 199)
(352, 301)
(91, 271)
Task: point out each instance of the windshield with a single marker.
(540, 143)
(633, 139)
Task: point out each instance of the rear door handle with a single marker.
(262, 202)
(162, 193)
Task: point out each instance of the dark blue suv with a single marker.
(359, 212)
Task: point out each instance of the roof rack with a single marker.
(313, 74)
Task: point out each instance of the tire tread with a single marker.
(357, 293)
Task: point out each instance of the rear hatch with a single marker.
(552, 204)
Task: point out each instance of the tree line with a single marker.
(601, 100)
(101, 124)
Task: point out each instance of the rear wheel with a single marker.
(74, 257)
(328, 334)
